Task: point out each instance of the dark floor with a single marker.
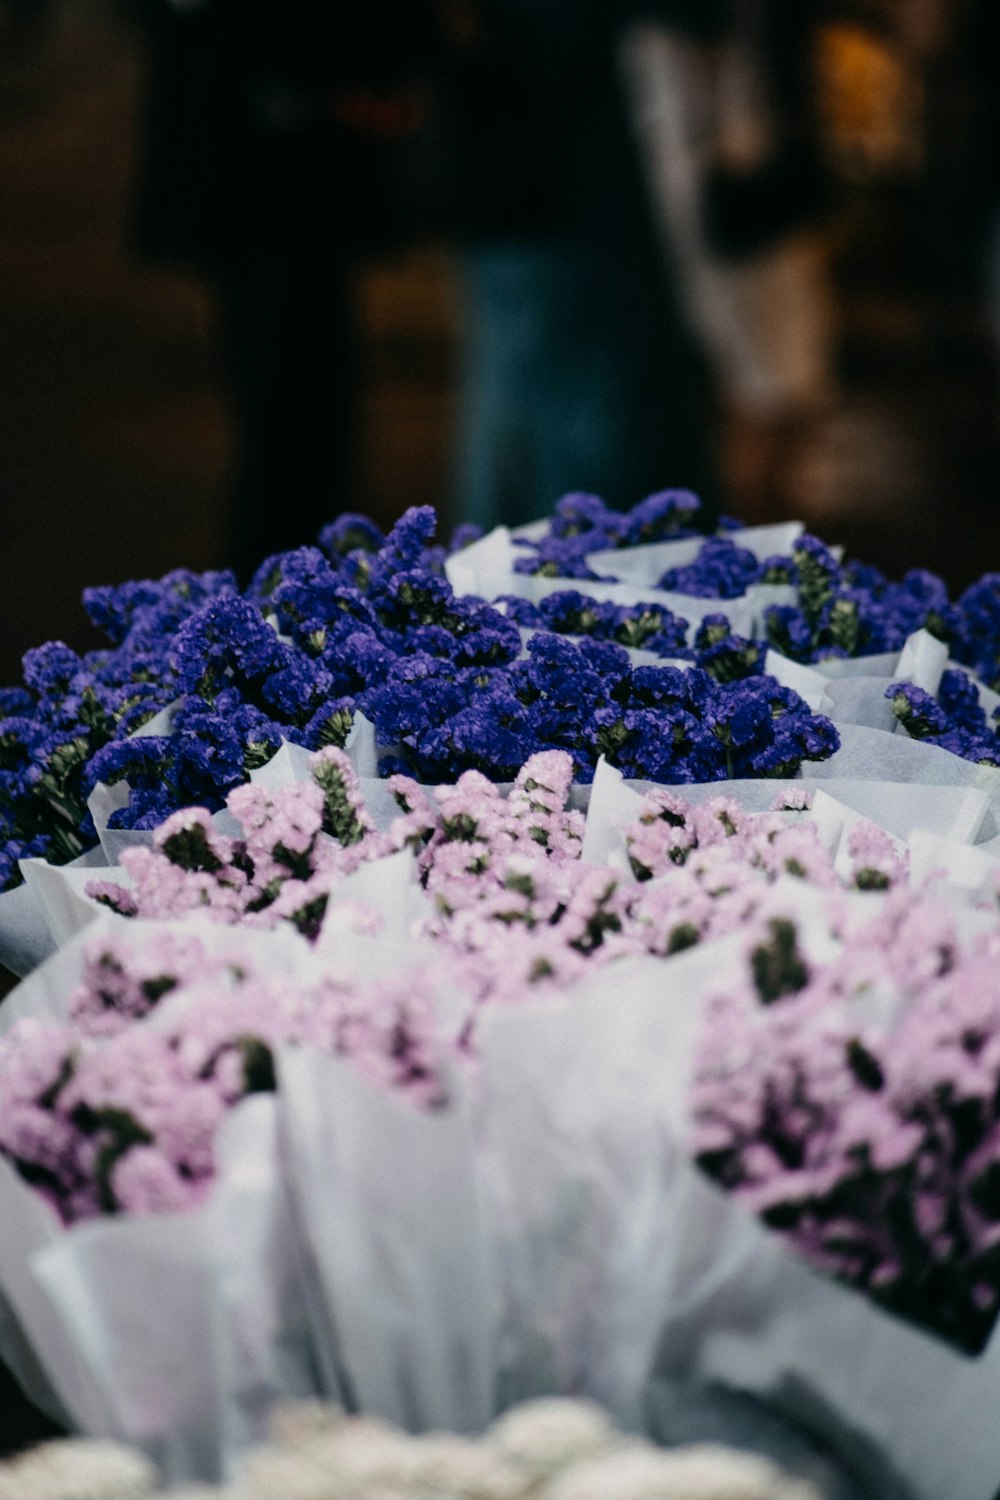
(114, 443)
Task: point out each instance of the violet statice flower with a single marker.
(648, 627)
(210, 752)
(350, 533)
(850, 610)
(583, 523)
(464, 534)
(954, 720)
(149, 612)
(722, 653)
(560, 556)
(583, 697)
(722, 570)
(71, 706)
(976, 638)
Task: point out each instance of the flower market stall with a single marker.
(559, 964)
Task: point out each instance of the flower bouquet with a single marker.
(552, 988)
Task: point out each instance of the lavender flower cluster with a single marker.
(297, 844)
(872, 1145)
(503, 872)
(106, 1116)
(657, 723)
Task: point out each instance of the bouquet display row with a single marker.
(561, 964)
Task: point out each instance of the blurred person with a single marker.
(578, 369)
(729, 146)
(261, 119)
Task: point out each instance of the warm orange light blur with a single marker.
(870, 102)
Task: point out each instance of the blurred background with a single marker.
(821, 184)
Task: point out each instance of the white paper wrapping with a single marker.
(24, 933)
(743, 1311)
(647, 563)
(871, 755)
(957, 813)
(26, 938)
(579, 1111)
(386, 1198)
(183, 1328)
(176, 1331)
(61, 892)
(391, 889)
(973, 871)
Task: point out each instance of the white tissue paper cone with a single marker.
(809, 682)
(103, 801)
(859, 700)
(35, 1345)
(578, 1111)
(898, 810)
(869, 754)
(743, 1311)
(386, 1198)
(184, 1328)
(835, 668)
(61, 891)
(25, 939)
(612, 807)
(44, 994)
(389, 890)
(288, 764)
(360, 746)
(922, 661)
(645, 564)
(973, 871)
(484, 567)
